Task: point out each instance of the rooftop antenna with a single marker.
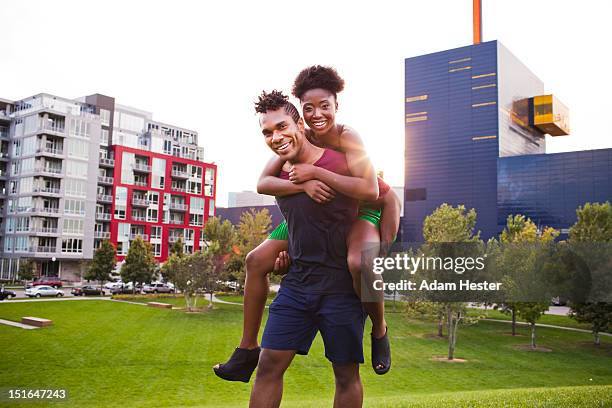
(477, 14)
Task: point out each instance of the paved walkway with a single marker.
(15, 324)
(550, 326)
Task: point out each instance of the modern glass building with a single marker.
(476, 119)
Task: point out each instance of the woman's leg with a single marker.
(259, 262)
(363, 242)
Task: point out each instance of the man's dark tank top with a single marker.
(317, 235)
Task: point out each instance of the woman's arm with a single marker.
(361, 186)
(270, 184)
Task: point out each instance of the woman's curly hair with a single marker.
(317, 76)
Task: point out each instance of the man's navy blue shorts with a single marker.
(295, 318)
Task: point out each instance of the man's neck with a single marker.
(309, 154)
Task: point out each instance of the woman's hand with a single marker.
(320, 192)
(302, 172)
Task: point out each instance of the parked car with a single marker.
(7, 294)
(87, 290)
(125, 289)
(113, 285)
(38, 291)
(157, 288)
(53, 281)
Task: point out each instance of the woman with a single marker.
(317, 87)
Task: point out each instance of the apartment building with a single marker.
(75, 172)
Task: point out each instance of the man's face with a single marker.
(282, 134)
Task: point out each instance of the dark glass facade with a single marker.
(468, 141)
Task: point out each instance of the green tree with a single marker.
(178, 247)
(27, 270)
(190, 274)
(139, 265)
(593, 228)
(102, 264)
(168, 268)
(449, 225)
(221, 246)
(531, 313)
(252, 230)
(522, 242)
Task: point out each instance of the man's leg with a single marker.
(349, 390)
(268, 387)
(259, 262)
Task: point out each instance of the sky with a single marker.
(200, 65)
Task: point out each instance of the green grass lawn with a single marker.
(116, 354)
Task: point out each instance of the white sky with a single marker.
(200, 65)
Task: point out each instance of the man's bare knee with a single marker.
(347, 376)
(269, 366)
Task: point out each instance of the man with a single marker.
(317, 293)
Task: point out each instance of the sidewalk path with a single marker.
(549, 326)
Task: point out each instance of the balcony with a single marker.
(45, 211)
(46, 190)
(140, 202)
(140, 218)
(144, 237)
(179, 188)
(45, 231)
(102, 234)
(43, 249)
(141, 183)
(52, 129)
(173, 238)
(104, 198)
(177, 221)
(4, 155)
(178, 206)
(141, 167)
(105, 180)
(106, 162)
(101, 216)
(53, 171)
(3, 173)
(180, 174)
(49, 151)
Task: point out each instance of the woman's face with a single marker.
(319, 110)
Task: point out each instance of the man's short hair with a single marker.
(276, 100)
(315, 77)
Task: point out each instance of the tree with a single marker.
(27, 269)
(252, 230)
(531, 312)
(221, 246)
(449, 225)
(522, 241)
(190, 274)
(102, 264)
(139, 265)
(168, 268)
(593, 225)
(178, 247)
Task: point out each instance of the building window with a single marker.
(72, 245)
(156, 250)
(156, 232)
(196, 220)
(105, 117)
(209, 182)
(152, 215)
(76, 207)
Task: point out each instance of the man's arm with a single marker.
(361, 186)
(270, 184)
